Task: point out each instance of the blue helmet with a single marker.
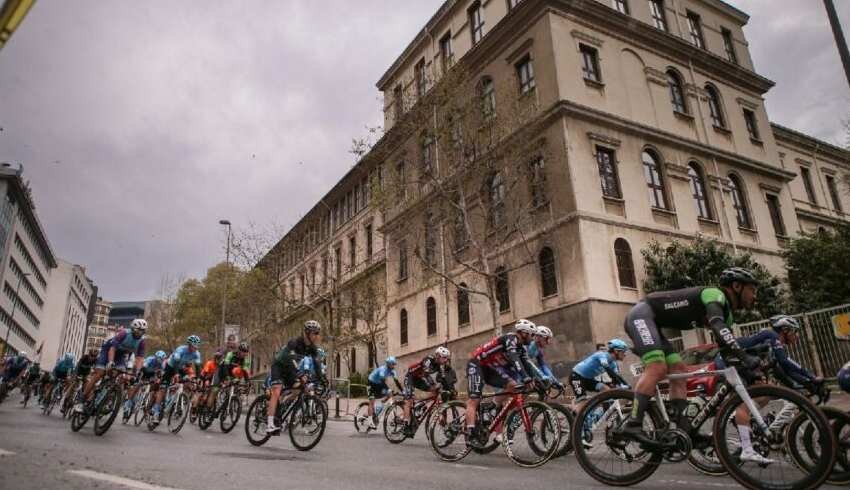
(617, 344)
(390, 360)
(193, 340)
(321, 353)
(160, 354)
(68, 357)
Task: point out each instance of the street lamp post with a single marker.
(226, 223)
(12, 315)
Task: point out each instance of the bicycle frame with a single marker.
(517, 400)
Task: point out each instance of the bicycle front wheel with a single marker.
(773, 402)
(394, 424)
(140, 411)
(107, 410)
(448, 438)
(361, 418)
(531, 434)
(307, 423)
(231, 415)
(178, 414)
(564, 416)
(256, 421)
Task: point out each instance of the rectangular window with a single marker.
(659, 18)
(695, 30)
(402, 260)
(352, 253)
(833, 193)
(398, 102)
(430, 239)
(806, 175)
(525, 73)
(729, 45)
(590, 63)
(325, 271)
(476, 22)
(338, 261)
(752, 124)
(446, 53)
(622, 6)
(606, 160)
(368, 242)
(775, 214)
(402, 182)
(427, 155)
(303, 286)
(537, 177)
(421, 80)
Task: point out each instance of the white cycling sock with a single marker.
(271, 421)
(744, 431)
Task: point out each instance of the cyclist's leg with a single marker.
(409, 396)
(649, 344)
(279, 375)
(475, 380)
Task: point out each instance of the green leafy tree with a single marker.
(819, 269)
(699, 263)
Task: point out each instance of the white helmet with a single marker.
(544, 332)
(23, 354)
(443, 352)
(523, 325)
(139, 324)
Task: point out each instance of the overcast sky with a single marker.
(141, 124)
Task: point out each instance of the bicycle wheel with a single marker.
(178, 414)
(532, 446)
(703, 456)
(107, 410)
(26, 396)
(604, 456)
(361, 418)
(394, 424)
(782, 473)
(307, 423)
(564, 417)
(230, 415)
(448, 438)
(803, 447)
(841, 429)
(140, 411)
(256, 421)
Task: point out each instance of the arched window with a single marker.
(654, 182)
(462, 305)
(488, 97)
(338, 365)
(699, 191)
(496, 194)
(677, 92)
(353, 361)
(625, 266)
(548, 276)
(714, 107)
(503, 290)
(431, 316)
(739, 201)
(402, 326)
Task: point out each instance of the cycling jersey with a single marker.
(151, 365)
(771, 337)
(232, 360)
(62, 368)
(182, 358)
(379, 375)
(209, 369)
(596, 364)
(503, 351)
(539, 367)
(284, 369)
(125, 343)
(15, 366)
(85, 365)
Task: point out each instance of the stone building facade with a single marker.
(100, 329)
(66, 313)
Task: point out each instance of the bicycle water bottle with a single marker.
(784, 416)
(378, 407)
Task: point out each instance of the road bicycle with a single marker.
(53, 398)
(549, 393)
(304, 417)
(528, 429)
(421, 413)
(137, 412)
(103, 405)
(382, 407)
(615, 459)
(227, 407)
(175, 409)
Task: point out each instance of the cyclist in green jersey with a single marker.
(684, 309)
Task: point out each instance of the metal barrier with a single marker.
(817, 348)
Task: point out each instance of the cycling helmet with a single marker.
(243, 346)
(390, 360)
(68, 357)
(544, 332)
(737, 274)
(160, 354)
(312, 326)
(193, 340)
(443, 352)
(844, 378)
(523, 325)
(784, 322)
(617, 344)
(139, 324)
(23, 354)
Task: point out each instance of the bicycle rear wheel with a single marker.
(361, 418)
(533, 445)
(178, 414)
(782, 473)
(448, 438)
(805, 451)
(256, 421)
(564, 417)
(394, 424)
(307, 423)
(107, 410)
(230, 415)
(140, 411)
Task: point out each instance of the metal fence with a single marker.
(817, 348)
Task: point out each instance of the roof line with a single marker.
(14, 176)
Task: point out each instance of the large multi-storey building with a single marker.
(100, 328)
(27, 260)
(650, 119)
(66, 314)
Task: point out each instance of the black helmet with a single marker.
(737, 274)
(243, 346)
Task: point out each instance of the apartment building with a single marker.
(100, 329)
(66, 314)
(647, 123)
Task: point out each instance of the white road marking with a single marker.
(698, 484)
(457, 465)
(6, 453)
(94, 475)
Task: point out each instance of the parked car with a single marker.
(697, 358)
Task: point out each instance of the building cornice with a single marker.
(26, 206)
(810, 144)
(819, 217)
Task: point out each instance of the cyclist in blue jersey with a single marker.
(152, 367)
(582, 379)
(115, 352)
(178, 363)
(16, 366)
(378, 386)
(60, 373)
(843, 377)
(536, 350)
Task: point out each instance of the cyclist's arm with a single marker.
(715, 313)
(517, 358)
(791, 367)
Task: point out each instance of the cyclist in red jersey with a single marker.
(502, 363)
(419, 377)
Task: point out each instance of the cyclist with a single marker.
(683, 309)
(60, 373)
(584, 374)
(536, 351)
(378, 386)
(114, 352)
(234, 364)
(502, 363)
(43, 381)
(152, 367)
(181, 362)
(284, 370)
(16, 366)
(209, 378)
(31, 378)
(418, 377)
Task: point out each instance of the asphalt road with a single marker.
(38, 452)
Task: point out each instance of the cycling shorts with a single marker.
(581, 385)
(283, 373)
(103, 358)
(377, 390)
(649, 341)
(412, 383)
(495, 376)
